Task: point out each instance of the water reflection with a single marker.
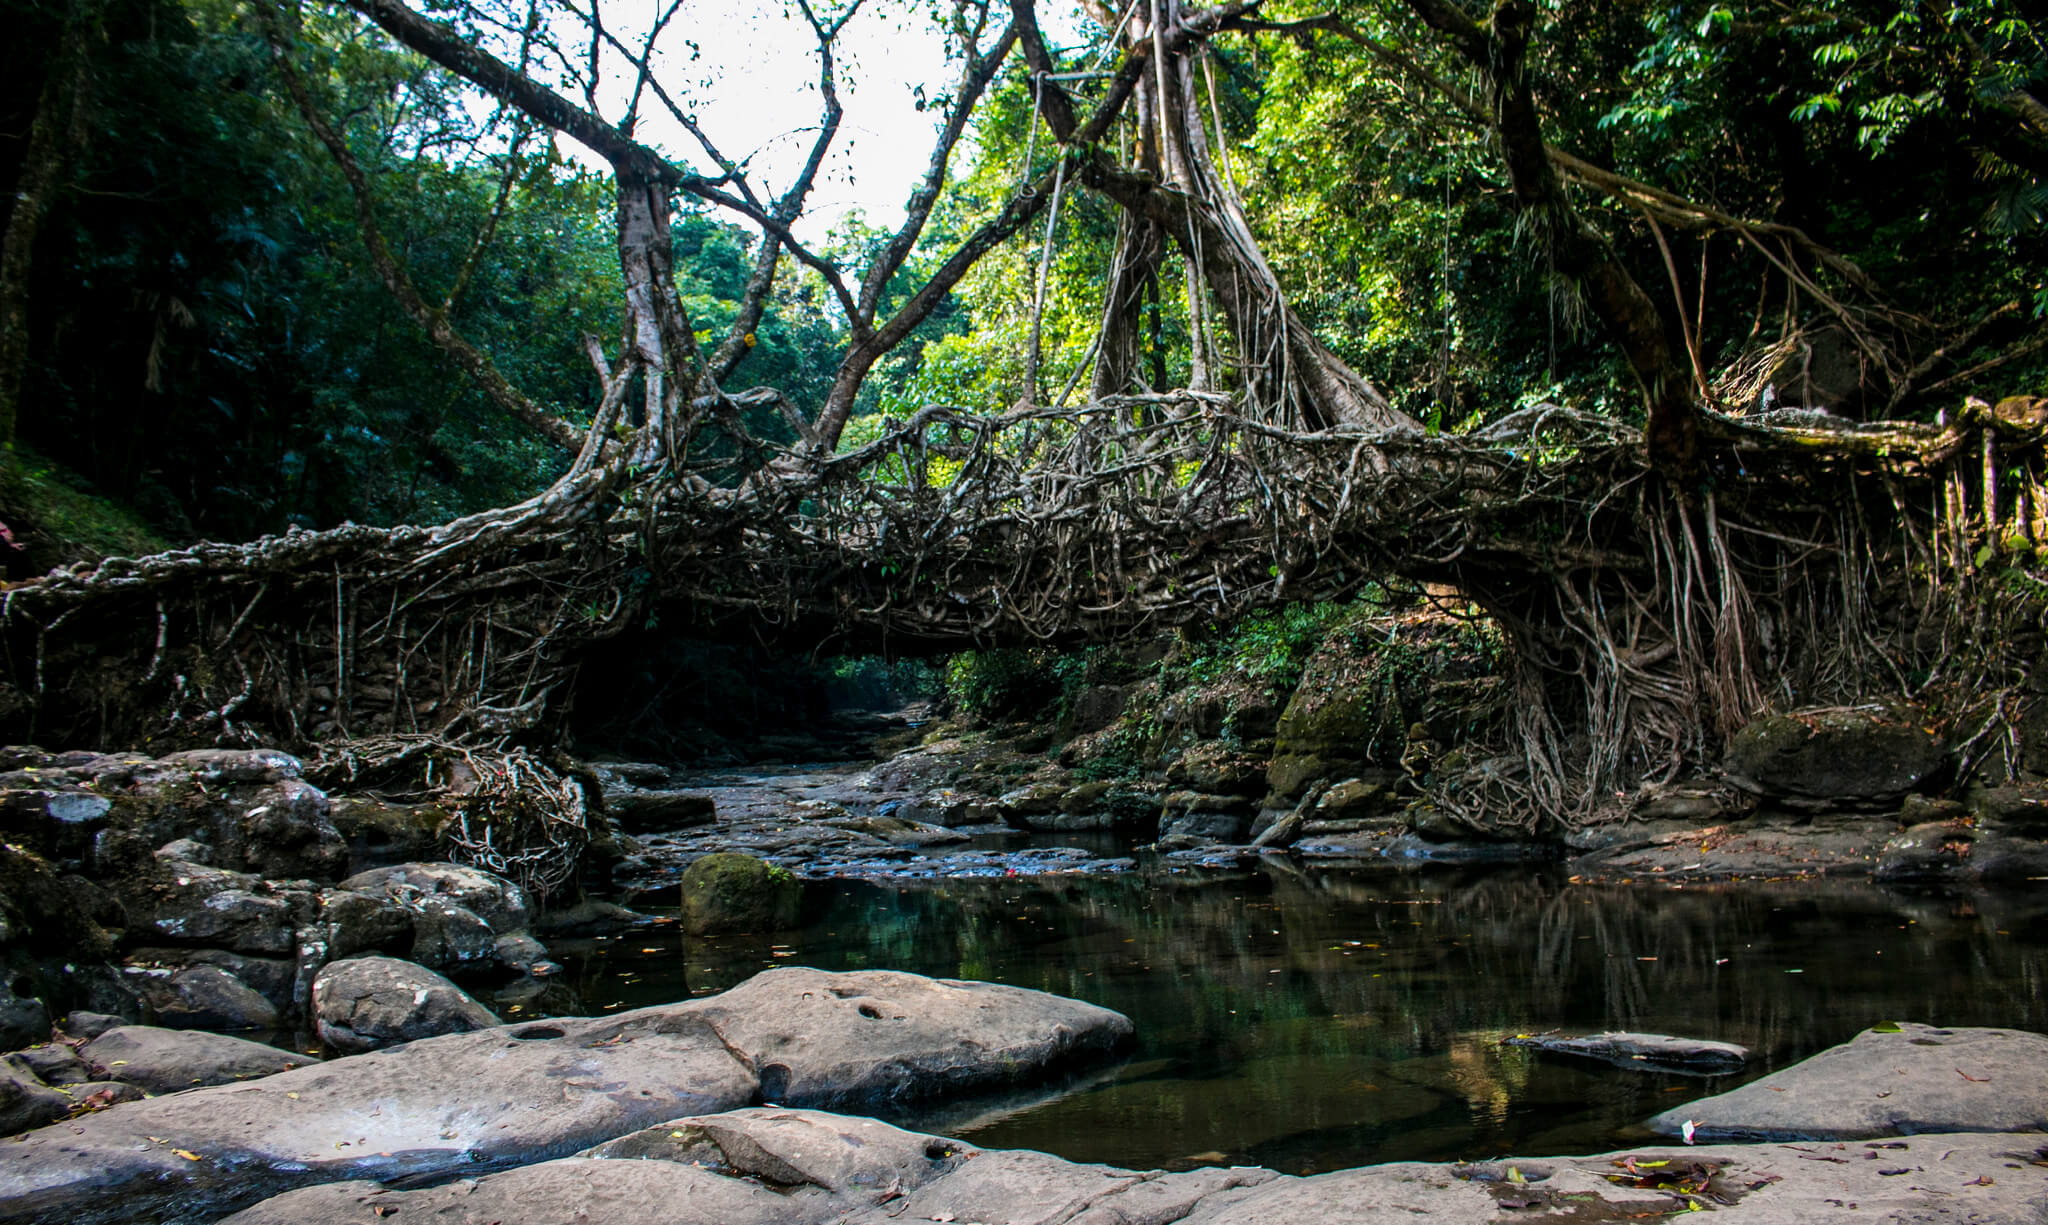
(1311, 1020)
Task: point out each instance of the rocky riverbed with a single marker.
(645, 1117)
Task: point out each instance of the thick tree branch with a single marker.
(1632, 319)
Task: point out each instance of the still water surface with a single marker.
(1310, 1020)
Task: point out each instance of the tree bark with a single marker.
(1632, 319)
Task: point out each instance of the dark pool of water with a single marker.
(1312, 1020)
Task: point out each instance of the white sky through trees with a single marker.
(752, 86)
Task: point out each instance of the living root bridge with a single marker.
(1814, 559)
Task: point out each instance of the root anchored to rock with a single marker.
(1647, 618)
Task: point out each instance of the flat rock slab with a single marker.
(1647, 1052)
(1901, 1081)
(793, 1167)
(876, 1036)
(516, 1094)
(170, 1060)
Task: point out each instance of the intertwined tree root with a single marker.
(1811, 561)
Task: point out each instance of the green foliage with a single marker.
(1014, 682)
(1271, 645)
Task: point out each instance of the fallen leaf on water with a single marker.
(1982, 1180)
(1885, 1027)
(186, 1153)
(383, 1209)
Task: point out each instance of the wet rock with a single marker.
(365, 1003)
(495, 900)
(651, 812)
(59, 914)
(26, 809)
(1861, 756)
(1647, 1052)
(522, 954)
(449, 936)
(26, 1102)
(206, 997)
(1933, 851)
(170, 1060)
(728, 892)
(471, 1103)
(1897, 1081)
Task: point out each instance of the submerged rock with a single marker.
(1650, 1052)
(507, 1095)
(1889, 1081)
(729, 892)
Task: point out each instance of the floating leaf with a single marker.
(1885, 1027)
(186, 1153)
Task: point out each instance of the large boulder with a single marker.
(170, 1060)
(728, 892)
(363, 1003)
(207, 997)
(873, 1036)
(182, 902)
(1888, 1081)
(470, 1103)
(1855, 757)
(493, 899)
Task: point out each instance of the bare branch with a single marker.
(974, 78)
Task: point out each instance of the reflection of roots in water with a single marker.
(1490, 1083)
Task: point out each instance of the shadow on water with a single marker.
(1311, 1020)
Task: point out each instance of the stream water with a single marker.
(1311, 1020)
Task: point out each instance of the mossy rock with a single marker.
(729, 892)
